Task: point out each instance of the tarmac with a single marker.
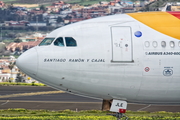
(33, 97)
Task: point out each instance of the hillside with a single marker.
(29, 1)
(82, 2)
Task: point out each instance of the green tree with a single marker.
(11, 66)
(17, 40)
(43, 8)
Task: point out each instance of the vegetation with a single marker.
(81, 2)
(11, 66)
(21, 83)
(28, 1)
(40, 2)
(8, 0)
(85, 2)
(24, 114)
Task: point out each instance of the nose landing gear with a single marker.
(119, 115)
(119, 107)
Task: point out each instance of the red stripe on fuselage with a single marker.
(176, 14)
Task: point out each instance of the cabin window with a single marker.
(155, 44)
(163, 44)
(70, 42)
(179, 43)
(147, 44)
(59, 42)
(172, 44)
(46, 41)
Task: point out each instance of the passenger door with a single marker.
(121, 44)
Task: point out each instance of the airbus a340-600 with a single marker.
(130, 57)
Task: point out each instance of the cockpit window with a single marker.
(70, 42)
(46, 41)
(59, 42)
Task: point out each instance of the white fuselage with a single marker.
(109, 61)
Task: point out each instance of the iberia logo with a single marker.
(167, 23)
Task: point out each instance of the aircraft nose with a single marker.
(28, 62)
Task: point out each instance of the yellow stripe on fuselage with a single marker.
(161, 21)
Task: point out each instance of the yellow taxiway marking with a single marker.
(30, 94)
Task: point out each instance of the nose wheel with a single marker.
(121, 115)
(118, 115)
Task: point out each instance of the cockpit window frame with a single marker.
(59, 42)
(70, 42)
(47, 41)
(66, 42)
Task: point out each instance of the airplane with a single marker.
(131, 57)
